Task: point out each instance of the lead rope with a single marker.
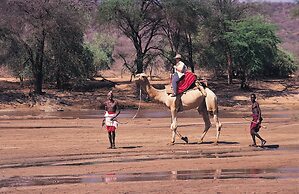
(139, 105)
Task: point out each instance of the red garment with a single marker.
(186, 82)
(254, 126)
(110, 128)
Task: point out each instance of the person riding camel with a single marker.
(179, 71)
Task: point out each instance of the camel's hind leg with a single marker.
(218, 126)
(205, 115)
(173, 125)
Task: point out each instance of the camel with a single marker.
(191, 99)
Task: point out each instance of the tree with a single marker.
(282, 66)
(47, 32)
(254, 44)
(102, 46)
(139, 20)
(221, 13)
(295, 10)
(180, 25)
(11, 53)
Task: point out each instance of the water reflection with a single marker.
(94, 160)
(144, 113)
(272, 173)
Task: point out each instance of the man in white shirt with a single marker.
(179, 71)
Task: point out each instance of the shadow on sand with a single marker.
(220, 142)
(212, 142)
(130, 147)
(274, 146)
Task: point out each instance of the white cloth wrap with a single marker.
(108, 120)
(180, 68)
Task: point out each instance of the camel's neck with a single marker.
(159, 95)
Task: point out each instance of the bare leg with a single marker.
(263, 142)
(254, 133)
(253, 139)
(110, 139)
(113, 139)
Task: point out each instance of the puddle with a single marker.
(117, 158)
(273, 173)
(144, 113)
(121, 157)
(43, 127)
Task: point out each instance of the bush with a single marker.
(283, 65)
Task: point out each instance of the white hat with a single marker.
(178, 56)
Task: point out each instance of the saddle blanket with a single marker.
(186, 82)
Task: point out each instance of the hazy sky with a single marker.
(272, 0)
(281, 0)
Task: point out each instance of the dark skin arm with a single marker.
(259, 112)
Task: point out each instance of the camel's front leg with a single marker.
(173, 125)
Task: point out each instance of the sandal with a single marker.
(263, 143)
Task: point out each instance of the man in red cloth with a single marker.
(111, 107)
(256, 121)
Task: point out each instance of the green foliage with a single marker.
(253, 43)
(13, 55)
(283, 65)
(180, 25)
(48, 36)
(65, 51)
(213, 59)
(102, 47)
(295, 10)
(113, 10)
(215, 25)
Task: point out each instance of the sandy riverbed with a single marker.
(70, 155)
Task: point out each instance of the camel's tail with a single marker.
(212, 107)
(211, 101)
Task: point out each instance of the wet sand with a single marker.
(68, 154)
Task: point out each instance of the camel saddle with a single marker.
(188, 81)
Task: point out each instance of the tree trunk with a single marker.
(191, 63)
(139, 62)
(38, 65)
(190, 52)
(229, 69)
(244, 81)
(58, 80)
(21, 77)
(38, 83)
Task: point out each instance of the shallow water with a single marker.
(270, 173)
(133, 156)
(143, 113)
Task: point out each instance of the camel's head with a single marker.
(141, 79)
